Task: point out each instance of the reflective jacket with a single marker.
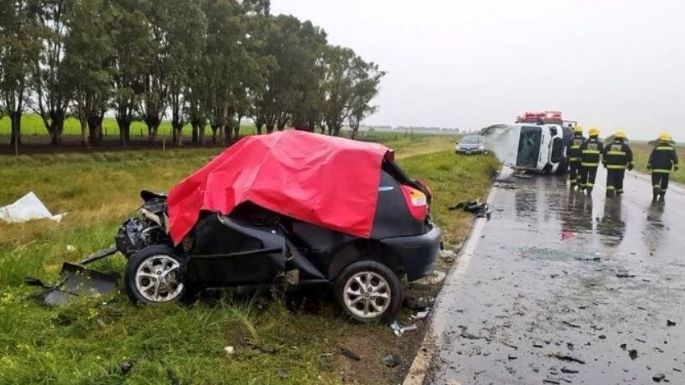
(663, 158)
(617, 155)
(573, 152)
(591, 152)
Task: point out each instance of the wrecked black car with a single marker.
(290, 209)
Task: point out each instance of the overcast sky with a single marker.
(468, 64)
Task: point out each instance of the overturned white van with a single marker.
(531, 147)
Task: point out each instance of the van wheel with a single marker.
(368, 291)
(153, 276)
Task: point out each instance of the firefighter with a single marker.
(573, 155)
(590, 156)
(662, 160)
(617, 157)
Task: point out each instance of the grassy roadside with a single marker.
(95, 341)
(641, 153)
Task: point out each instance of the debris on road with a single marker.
(568, 371)
(670, 323)
(479, 209)
(659, 377)
(27, 208)
(465, 334)
(624, 274)
(350, 354)
(632, 353)
(390, 360)
(593, 259)
(569, 324)
(510, 345)
(505, 185)
(564, 357)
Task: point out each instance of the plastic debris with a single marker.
(27, 208)
(399, 329)
(624, 274)
(421, 314)
(229, 350)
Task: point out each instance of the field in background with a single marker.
(34, 132)
(641, 153)
(89, 341)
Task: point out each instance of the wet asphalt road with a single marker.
(564, 289)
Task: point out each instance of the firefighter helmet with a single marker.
(665, 137)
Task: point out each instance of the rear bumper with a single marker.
(418, 253)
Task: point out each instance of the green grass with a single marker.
(88, 341)
(32, 126)
(641, 153)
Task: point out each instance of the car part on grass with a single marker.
(27, 208)
(400, 329)
(75, 281)
(479, 209)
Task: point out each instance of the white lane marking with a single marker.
(419, 367)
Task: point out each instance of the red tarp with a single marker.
(326, 181)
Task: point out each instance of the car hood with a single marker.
(326, 181)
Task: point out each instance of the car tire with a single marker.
(153, 276)
(368, 291)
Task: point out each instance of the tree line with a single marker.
(207, 63)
